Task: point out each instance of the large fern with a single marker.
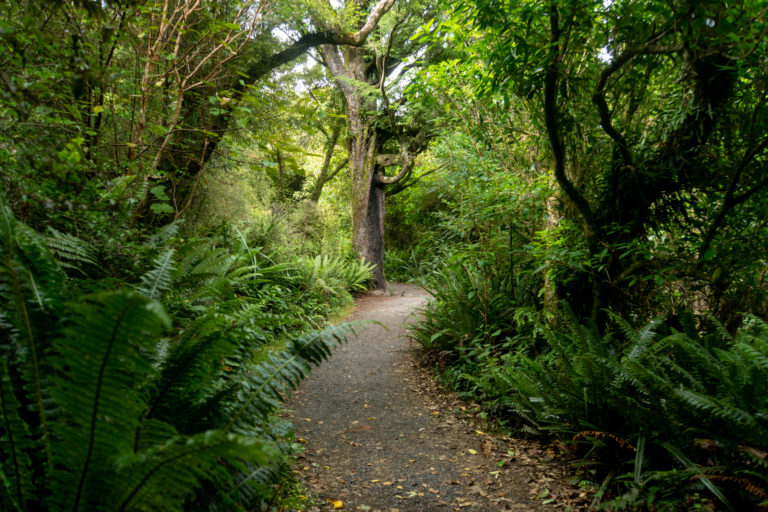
(695, 403)
(128, 414)
(99, 374)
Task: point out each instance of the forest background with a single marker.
(191, 189)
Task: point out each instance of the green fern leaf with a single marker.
(158, 280)
(68, 248)
(97, 384)
(273, 379)
(15, 446)
(191, 368)
(163, 477)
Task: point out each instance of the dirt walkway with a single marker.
(379, 437)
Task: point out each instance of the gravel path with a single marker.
(380, 437)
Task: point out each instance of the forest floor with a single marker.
(380, 436)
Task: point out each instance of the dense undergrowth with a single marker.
(670, 413)
(664, 412)
(659, 416)
(158, 388)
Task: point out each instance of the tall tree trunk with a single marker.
(367, 196)
(363, 147)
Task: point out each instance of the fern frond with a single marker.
(15, 446)
(716, 408)
(31, 291)
(68, 248)
(158, 280)
(163, 477)
(192, 365)
(273, 379)
(99, 373)
(164, 234)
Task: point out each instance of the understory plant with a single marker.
(154, 395)
(658, 415)
(658, 406)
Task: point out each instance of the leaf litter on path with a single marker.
(382, 437)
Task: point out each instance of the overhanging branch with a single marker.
(598, 97)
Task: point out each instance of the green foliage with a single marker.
(331, 274)
(472, 306)
(109, 405)
(655, 416)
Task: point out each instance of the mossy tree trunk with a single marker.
(356, 73)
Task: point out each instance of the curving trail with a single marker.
(379, 437)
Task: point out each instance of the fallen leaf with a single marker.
(472, 452)
(359, 428)
(480, 433)
(487, 447)
(336, 503)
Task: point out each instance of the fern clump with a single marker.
(659, 414)
(160, 395)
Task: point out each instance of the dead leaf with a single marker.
(359, 428)
(472, 452)
(336, 503)
(487, 447)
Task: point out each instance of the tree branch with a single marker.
(405, 171)
(553, 130)
(378, 11)
(404, 185)
(258, 69)
(731, 200)
(598, 97)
